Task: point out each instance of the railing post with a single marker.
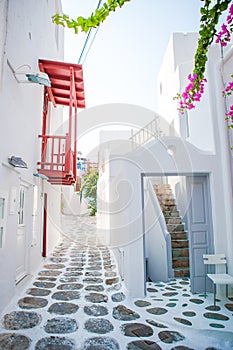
(67, 153)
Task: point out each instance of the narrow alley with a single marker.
(77, 301)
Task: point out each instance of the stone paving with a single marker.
(78, 302)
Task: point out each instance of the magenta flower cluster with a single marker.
(224, 36)
(192, 93)
(229, 117)
(228, 89)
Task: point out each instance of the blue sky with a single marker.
(124, 61)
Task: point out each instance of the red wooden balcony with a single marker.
(58, 152)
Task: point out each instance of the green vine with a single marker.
(210, 15)
(93, 21)
(208, 22)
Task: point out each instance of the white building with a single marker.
(193, 155)
(30, 206)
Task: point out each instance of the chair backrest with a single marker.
(214, 259)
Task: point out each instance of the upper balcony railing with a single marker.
(147, 133)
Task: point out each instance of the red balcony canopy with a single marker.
(60, 76)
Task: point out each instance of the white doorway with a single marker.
(21, 244)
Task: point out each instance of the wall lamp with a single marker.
(17, 162)
(25, 74)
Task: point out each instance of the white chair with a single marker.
(218, 278)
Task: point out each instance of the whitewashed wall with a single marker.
(26, 34)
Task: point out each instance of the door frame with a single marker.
(44, 225)
(24, 226)
(167, 174)
(207, 285)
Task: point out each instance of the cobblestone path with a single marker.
(78, 301)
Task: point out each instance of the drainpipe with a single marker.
(223, 140)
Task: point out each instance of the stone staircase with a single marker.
(179, 241)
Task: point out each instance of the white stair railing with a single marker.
(147, 133)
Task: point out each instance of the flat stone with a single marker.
(136, 330)
(13, 341)
(95, 263)
(111, 281)
(229, 307)
(170, 337)
(98, 325)
(75, 269)
(114, 288)
(183, 321)
(121, 312)
(96, 310)
(101, 343)
(49, 273)
(92, 280)
(69, 279)
(52, 279)
(216, 325)
(32, 303)
(157, 311)
(70, 286)
(110, 267)
(63, 308)
(182, 347)
(118, 297)
(189, 313)
(66, 296)
(58, 260)
(93, 268)
(170, 294)
(152, 290)
(110, 274)
(196, 301)
(72, 274)
(177, 287)
(38, 292)
(184, 282)
(216, 316)
(96, 288)
(156, 324)
(55, 343)
(96, 298)
(171, 304)
(21, 320)
(160, 285)
(93, 273)
(170, 288)
(61, 325)
(54, 266)
(44, 284)
(213, 308)
(143, 345)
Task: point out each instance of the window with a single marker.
(3, 212)
(21, 207)
(2, 207)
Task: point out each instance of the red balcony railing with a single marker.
(57, 158)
